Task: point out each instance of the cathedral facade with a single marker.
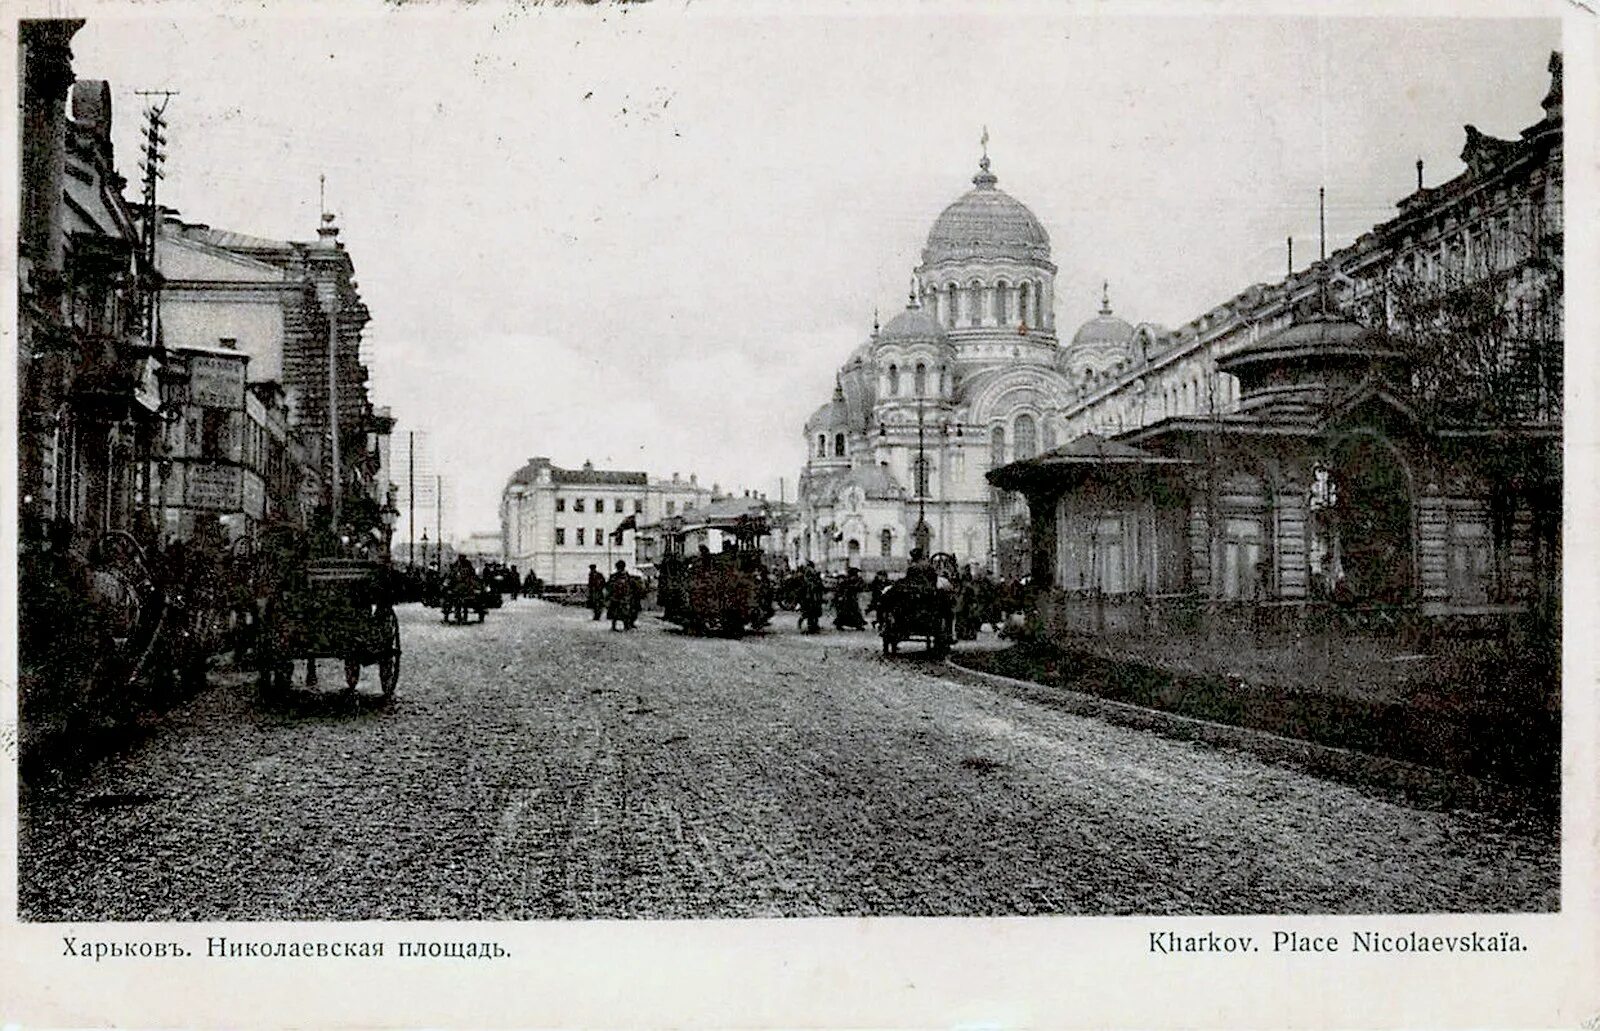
(968, 377)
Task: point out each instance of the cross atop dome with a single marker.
(985, 179)
(1105, 297)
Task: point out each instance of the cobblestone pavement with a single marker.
(541, 766)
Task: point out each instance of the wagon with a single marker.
(337, 608)
(920, 612)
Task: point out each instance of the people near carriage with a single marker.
(847, 601)
(919, 571)
(597, 591)
(811, 598)
(968, 613)
(514, 582)
(766, 596)
(622, 598)
(986, 600)
(880, 583)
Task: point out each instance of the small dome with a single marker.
(986, 222)
(835, 415)
(912, 324)
(1104, 330)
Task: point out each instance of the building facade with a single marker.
(557, 522)
(970, 376)
(282, 305)
(1381, 431)
(89, 396)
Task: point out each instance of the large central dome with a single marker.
(986, 222)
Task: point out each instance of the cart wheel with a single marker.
(352, 673)
(389, 663)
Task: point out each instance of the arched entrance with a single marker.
(1377, 545)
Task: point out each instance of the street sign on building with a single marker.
(212, 487)
(217, 381)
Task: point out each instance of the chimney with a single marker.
(694, 478)
(674, 477)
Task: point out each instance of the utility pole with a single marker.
(919, 482)
(438, 516)
(155, 155)
(411, 489)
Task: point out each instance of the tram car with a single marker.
(711, 576)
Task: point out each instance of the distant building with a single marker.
(557, 522)
(481, 547)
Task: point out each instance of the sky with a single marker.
(648, 236)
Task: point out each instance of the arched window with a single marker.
(997, 447)
(1024, 306)
(854, 551)
(1039, 314)
(894, 381)
(975, 299)
(822, 445)
(1002, 303)
(838, 445)
(944, 380)
(951, 305)
(1025, 437)
(921, 380)
(886, 543)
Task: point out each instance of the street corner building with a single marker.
(174, 386)
(1379, 433)
(968, 377)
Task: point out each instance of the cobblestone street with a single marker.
(540, 766)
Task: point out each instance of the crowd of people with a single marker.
(980, 599)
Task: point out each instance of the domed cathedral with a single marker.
(969, 376)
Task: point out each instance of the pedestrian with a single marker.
(847, 602)
(875, 589)
(622, 601)
(597, 591)
(514, 583)
(811, 595)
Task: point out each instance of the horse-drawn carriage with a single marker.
(331, 607)
(463, 597)
(724, 591)
(921, 608)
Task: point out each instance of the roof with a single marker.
(1086, 452)
(1104, 329)
(1317, 336)
(986, 222)
(912, 324)
(598, 476)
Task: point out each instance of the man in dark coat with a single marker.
(847, 602)
(879, 584)
(622, 602)
(811, 594)
(597, 591)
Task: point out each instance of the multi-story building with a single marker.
(1383, 427)
(557, 522)
(88, 390)
(283, 304)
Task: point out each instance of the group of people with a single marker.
(620, 598)
(979, 598)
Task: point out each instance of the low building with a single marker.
(1325, 488)
(557, 522)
